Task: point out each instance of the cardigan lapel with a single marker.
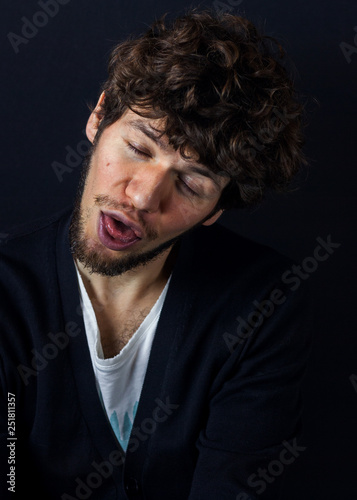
(91, 407)
(170, 327)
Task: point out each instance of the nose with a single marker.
(148, 188)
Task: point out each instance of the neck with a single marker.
(133, 285)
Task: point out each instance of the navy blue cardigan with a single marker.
(220, 408)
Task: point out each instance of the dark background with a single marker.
(45, 87)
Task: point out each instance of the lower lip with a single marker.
(108, 241)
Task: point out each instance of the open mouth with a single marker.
(115, 234)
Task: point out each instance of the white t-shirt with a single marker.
(120, 379)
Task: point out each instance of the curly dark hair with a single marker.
(218, 83)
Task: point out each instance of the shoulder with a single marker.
(224, 254)
(28, 242)
(29, 284)
(228, 272)
(28, 257)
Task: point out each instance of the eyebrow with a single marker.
(149, 132)
(156, 138)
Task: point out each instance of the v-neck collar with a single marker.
(169, 328)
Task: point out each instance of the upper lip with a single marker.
(121, 218)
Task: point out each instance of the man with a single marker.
(146, 352)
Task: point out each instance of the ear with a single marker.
(213, 219)
(94, 120)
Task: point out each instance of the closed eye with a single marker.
(182, 185)
(186, 188)
(138, 152)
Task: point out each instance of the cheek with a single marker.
(186, 215)
(103, 174)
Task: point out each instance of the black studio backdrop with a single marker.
(53, 56)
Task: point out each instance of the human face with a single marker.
(139, 196)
